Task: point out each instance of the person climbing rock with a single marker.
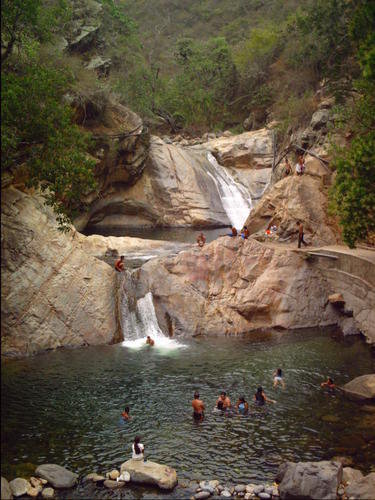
(300, 165)
(150, 341)
(120, 264)
(198, 407)
(300, 234)
(201, 240)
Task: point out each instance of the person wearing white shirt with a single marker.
(137, 449)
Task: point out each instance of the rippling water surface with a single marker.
(64, 407)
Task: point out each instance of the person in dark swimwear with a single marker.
(198, 407)
(119, 264)
(125, 414)
(260, 398)
(278, 377)
(242, 405)
(329, 384)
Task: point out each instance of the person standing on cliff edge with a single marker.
(119, 264)
(300, 234)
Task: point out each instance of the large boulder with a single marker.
(320, 118)
(233, 286)
(19, 486)
(361, 388)
(57, 475)
(311, 480)
(149, 472)
(294, 198)
(6, 492)
(363, 488)
(53, 293)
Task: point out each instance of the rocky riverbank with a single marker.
(309, 480)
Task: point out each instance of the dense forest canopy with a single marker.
(194, 66)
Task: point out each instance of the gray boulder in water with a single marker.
(150, 473)
(56, 475)
(311, 480)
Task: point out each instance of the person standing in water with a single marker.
(223, 402)
(242, 405)
(278, 377)
(260, 398)
(198, 407)
(329, 384)
(125, 414)
(138, 449)
(150, 341)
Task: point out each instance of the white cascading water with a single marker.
(235, 198)
(138, 324)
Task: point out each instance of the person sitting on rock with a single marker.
(201, 240)
(150, 341)
(260, 398)
(245, 233)
(329, 384)
(233, 232)
(120, 265)
(278, 377)
(223, 402)
(137, 449)
(198, 407)
(242, 405)
(300, 165)
(125, 414)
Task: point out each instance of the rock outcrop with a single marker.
(57, 475)
(294, 198)
(362, 489)
(149, 472)
(310, 480)
(6, 492)
(233, 286)
(361, 388)
(53, 293)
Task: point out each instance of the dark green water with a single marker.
(64, 407)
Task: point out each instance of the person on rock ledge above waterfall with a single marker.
(119, 264)
(201, 240)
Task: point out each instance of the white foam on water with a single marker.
(235, 198)
(137, 325)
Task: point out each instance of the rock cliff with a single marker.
(233, 286)
(53, 293)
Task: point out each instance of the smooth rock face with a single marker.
(6, 492)
(150, 473)
(364, 488)
(56, 475)
(19, 486)
(361, 388)
(53, 293)
(295, 198)
(233, 286)
(311, 480)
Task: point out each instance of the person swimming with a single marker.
(260, 398)
(125, 414)
(278, 377)
(329, 384)
(150, 341)
(242, 405)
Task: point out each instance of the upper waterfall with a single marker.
(236, 199)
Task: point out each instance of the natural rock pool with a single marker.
(64, 407)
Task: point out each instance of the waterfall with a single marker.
(142, 321)
(235, 198)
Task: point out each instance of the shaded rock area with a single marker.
(53, 293)
(361, 388)
(233, 286)
(310, 480)
(56, 475)
(149, 472)
(291, 199)
(6, 492)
